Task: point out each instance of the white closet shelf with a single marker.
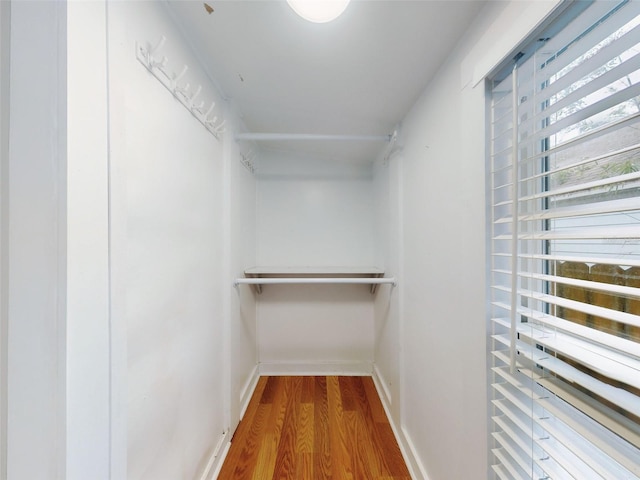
(259, 276)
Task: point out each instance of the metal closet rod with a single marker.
(294, 280)
(310, 136)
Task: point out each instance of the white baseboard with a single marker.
(279, 368)
(416, 463)
(214, 465)
(382, 387)
(411, 458)
(216, 460)
(248, 389)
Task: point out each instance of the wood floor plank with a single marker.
(393, 455)
(314, 428)
(377, 410)
(243, 428)
(321, 439)
(266, 461)
(348, 403)
(269, 390)
(341, 459)
(370, 447)
(278, 396)
(304, 466)
(373, 443)
(308, 389)
(245, 463)
(285, 466)
(305, 433)
(356, 440)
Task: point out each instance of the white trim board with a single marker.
(349, 369)
(381, 386)
(416, 469)
(247, 390)
(216, 460)
(214, 465)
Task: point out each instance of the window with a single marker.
(565, 250)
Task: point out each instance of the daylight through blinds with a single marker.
(565, 252)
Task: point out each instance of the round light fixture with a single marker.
(318, 11)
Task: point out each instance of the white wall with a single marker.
(315, 329)
(387, 311)
(117, 254)
(440, 319)
(35, 243)
(5, 27)
(88, 358)
(314, 212)
(242, 345)
(167, 255)
(443, 279)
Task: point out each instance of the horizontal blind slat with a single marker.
(626, 463)
(615, 315)
(585, 113)
(510, 464)
(601, 57)
(611, 427)
(624, 399)
(609, 77)
(588, 136)
(577, 330)
(577, 36)
(583, 210)
(597, 359)
(586, 284)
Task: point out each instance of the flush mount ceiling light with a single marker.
(318, 11)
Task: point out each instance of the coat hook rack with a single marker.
(247, 159)
(157, 66)
(392, 149)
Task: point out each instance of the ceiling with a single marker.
(357, 75)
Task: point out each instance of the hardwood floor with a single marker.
(314, 428)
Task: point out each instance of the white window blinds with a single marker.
(565, 251)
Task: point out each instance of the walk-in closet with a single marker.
(215, 210)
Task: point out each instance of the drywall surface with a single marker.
(5, 29)
(314, 213)
(243, 355)
(36, 215)
(387, 348)
(88, 358)
(167, 207)
(442, 324)
(315, 328)
(443, 280)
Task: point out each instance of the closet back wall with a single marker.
(313, 212)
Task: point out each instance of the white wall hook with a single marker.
(158, 46)
(160, 65)
(206, 115)
(199, 108)
(177, 78)
(246, 159)
(196, 93)
(182, 91)
(220, 128)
